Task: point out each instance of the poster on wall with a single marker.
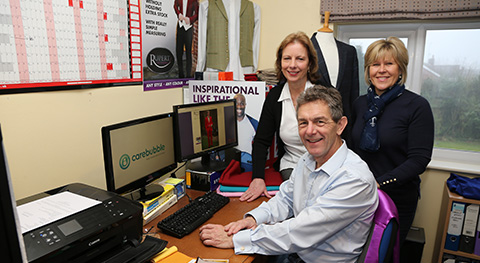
(249, 96)
(168, 43)
(58, 45)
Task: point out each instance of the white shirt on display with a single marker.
(329, 49)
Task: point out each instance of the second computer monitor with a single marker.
(203, 129)
(137, 152)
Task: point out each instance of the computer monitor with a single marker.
(11, 239)
(137, 152)
(205, 128)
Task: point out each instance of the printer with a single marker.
(91, 235)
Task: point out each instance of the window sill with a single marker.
(450, 166)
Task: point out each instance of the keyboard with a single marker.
(193, 215)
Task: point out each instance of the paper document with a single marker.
(46, 210)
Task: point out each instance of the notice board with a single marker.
(66, 44)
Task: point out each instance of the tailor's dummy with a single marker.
(327, 44)
(337, 67)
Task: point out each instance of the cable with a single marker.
(174, 176)
(189, 199)
(173, 173)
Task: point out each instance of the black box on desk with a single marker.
(200, 180)
(412, 248)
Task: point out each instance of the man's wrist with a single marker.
(250, 217)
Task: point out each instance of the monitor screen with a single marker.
(11, 242)
(137, 152)
(205, 128)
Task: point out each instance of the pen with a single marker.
(148, 230)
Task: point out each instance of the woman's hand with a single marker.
(257, 187)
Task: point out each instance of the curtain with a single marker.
(361, 10)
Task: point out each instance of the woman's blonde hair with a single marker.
(380, 49)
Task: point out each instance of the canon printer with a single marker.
(95, 234)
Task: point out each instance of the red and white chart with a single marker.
(53, 43)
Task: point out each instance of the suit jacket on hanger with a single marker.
(347, 83)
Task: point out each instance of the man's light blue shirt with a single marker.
(323, 214)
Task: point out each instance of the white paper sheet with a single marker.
(51, 208)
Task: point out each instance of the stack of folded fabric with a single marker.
(233, 182)
(251, 77)
(268, 75)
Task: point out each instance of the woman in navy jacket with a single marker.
(393, 128)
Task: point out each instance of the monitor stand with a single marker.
(146, 193)
(207, 165)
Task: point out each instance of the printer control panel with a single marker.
(47, 235)
(114, 208)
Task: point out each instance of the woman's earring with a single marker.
(400, 77)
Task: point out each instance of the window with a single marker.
(444, 68)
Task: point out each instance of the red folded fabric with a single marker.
(232, 176)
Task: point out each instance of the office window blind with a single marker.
(361, 10)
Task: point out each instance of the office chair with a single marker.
(383, 240)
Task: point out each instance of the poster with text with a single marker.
(249, 96)
(166, 64)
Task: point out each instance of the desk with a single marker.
(191, 245)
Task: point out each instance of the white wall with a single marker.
(282, 17)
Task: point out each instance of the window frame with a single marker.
(442, 159)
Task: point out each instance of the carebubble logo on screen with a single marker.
(147, 153)
(124, 161)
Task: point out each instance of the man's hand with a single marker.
(215, 236)
(247, 223)
(256, 188)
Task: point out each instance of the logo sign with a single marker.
(155, 150)
(160, 60)
(124, 161)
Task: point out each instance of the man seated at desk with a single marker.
(324, 211)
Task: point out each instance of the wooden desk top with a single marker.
(191, 245)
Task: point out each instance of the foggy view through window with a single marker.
(451, 83)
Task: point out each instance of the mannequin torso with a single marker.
(327, 44)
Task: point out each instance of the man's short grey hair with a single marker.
(330, 96)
